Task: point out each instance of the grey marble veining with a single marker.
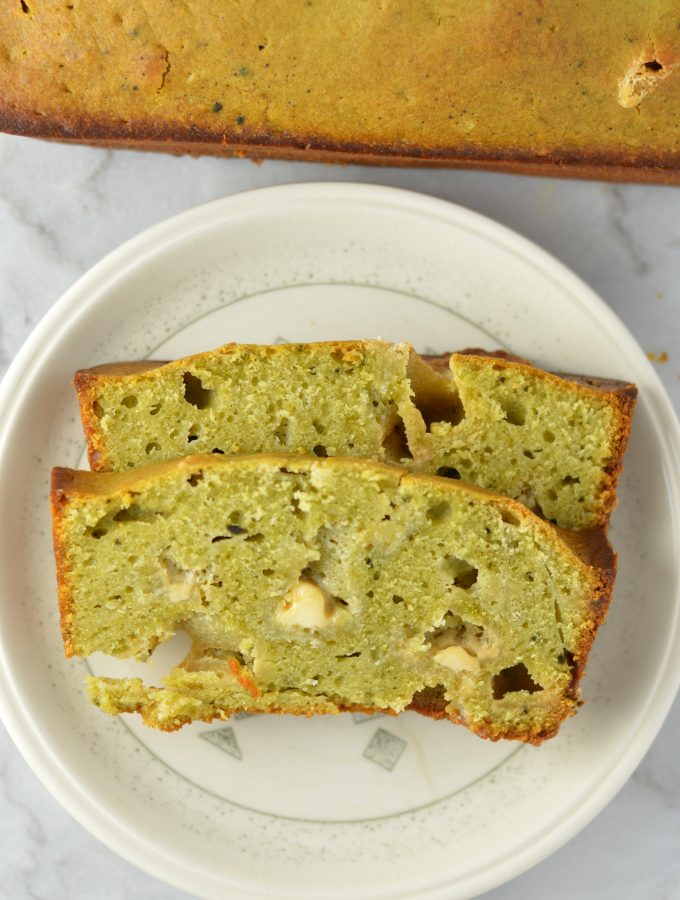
(63, 208)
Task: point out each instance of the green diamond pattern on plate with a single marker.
(224, 739)
(385, 749)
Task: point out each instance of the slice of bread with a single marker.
(554, 442)
(327, 585)
(329, 399)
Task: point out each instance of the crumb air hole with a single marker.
(195, 393)
(464, 575)
(281, 431)
(395, 444)
(439, 512)
(134, 514)
(448, 472)
(515, 412)
(509, 518)
(513, 679)
(446, 408)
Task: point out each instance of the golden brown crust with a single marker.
(131, 367)
(62, 480)
(429, 702)
(593, 548)
(425, 703)
(611, 165)
(84, 383)
(515, 87)
(606, 385)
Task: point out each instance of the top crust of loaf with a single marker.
(343, 83)
(624, 390)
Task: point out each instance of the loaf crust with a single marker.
(611, 165)
(556, 90)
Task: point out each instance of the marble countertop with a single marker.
(63, 208)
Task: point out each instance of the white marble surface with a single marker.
(63, 208)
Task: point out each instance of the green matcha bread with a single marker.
(327, 585)
(554, 442)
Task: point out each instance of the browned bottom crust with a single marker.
(615, 164)
(429, 702)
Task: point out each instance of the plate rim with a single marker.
(157, 240)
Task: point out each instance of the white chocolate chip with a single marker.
(457, 659)
(180, 591)
(483, 650)
(180, 585)
(470, 638)
(306, 605)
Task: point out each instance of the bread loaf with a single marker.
(589, 89)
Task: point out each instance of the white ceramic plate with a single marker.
(345, 806)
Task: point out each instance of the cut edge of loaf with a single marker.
(589, 547)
